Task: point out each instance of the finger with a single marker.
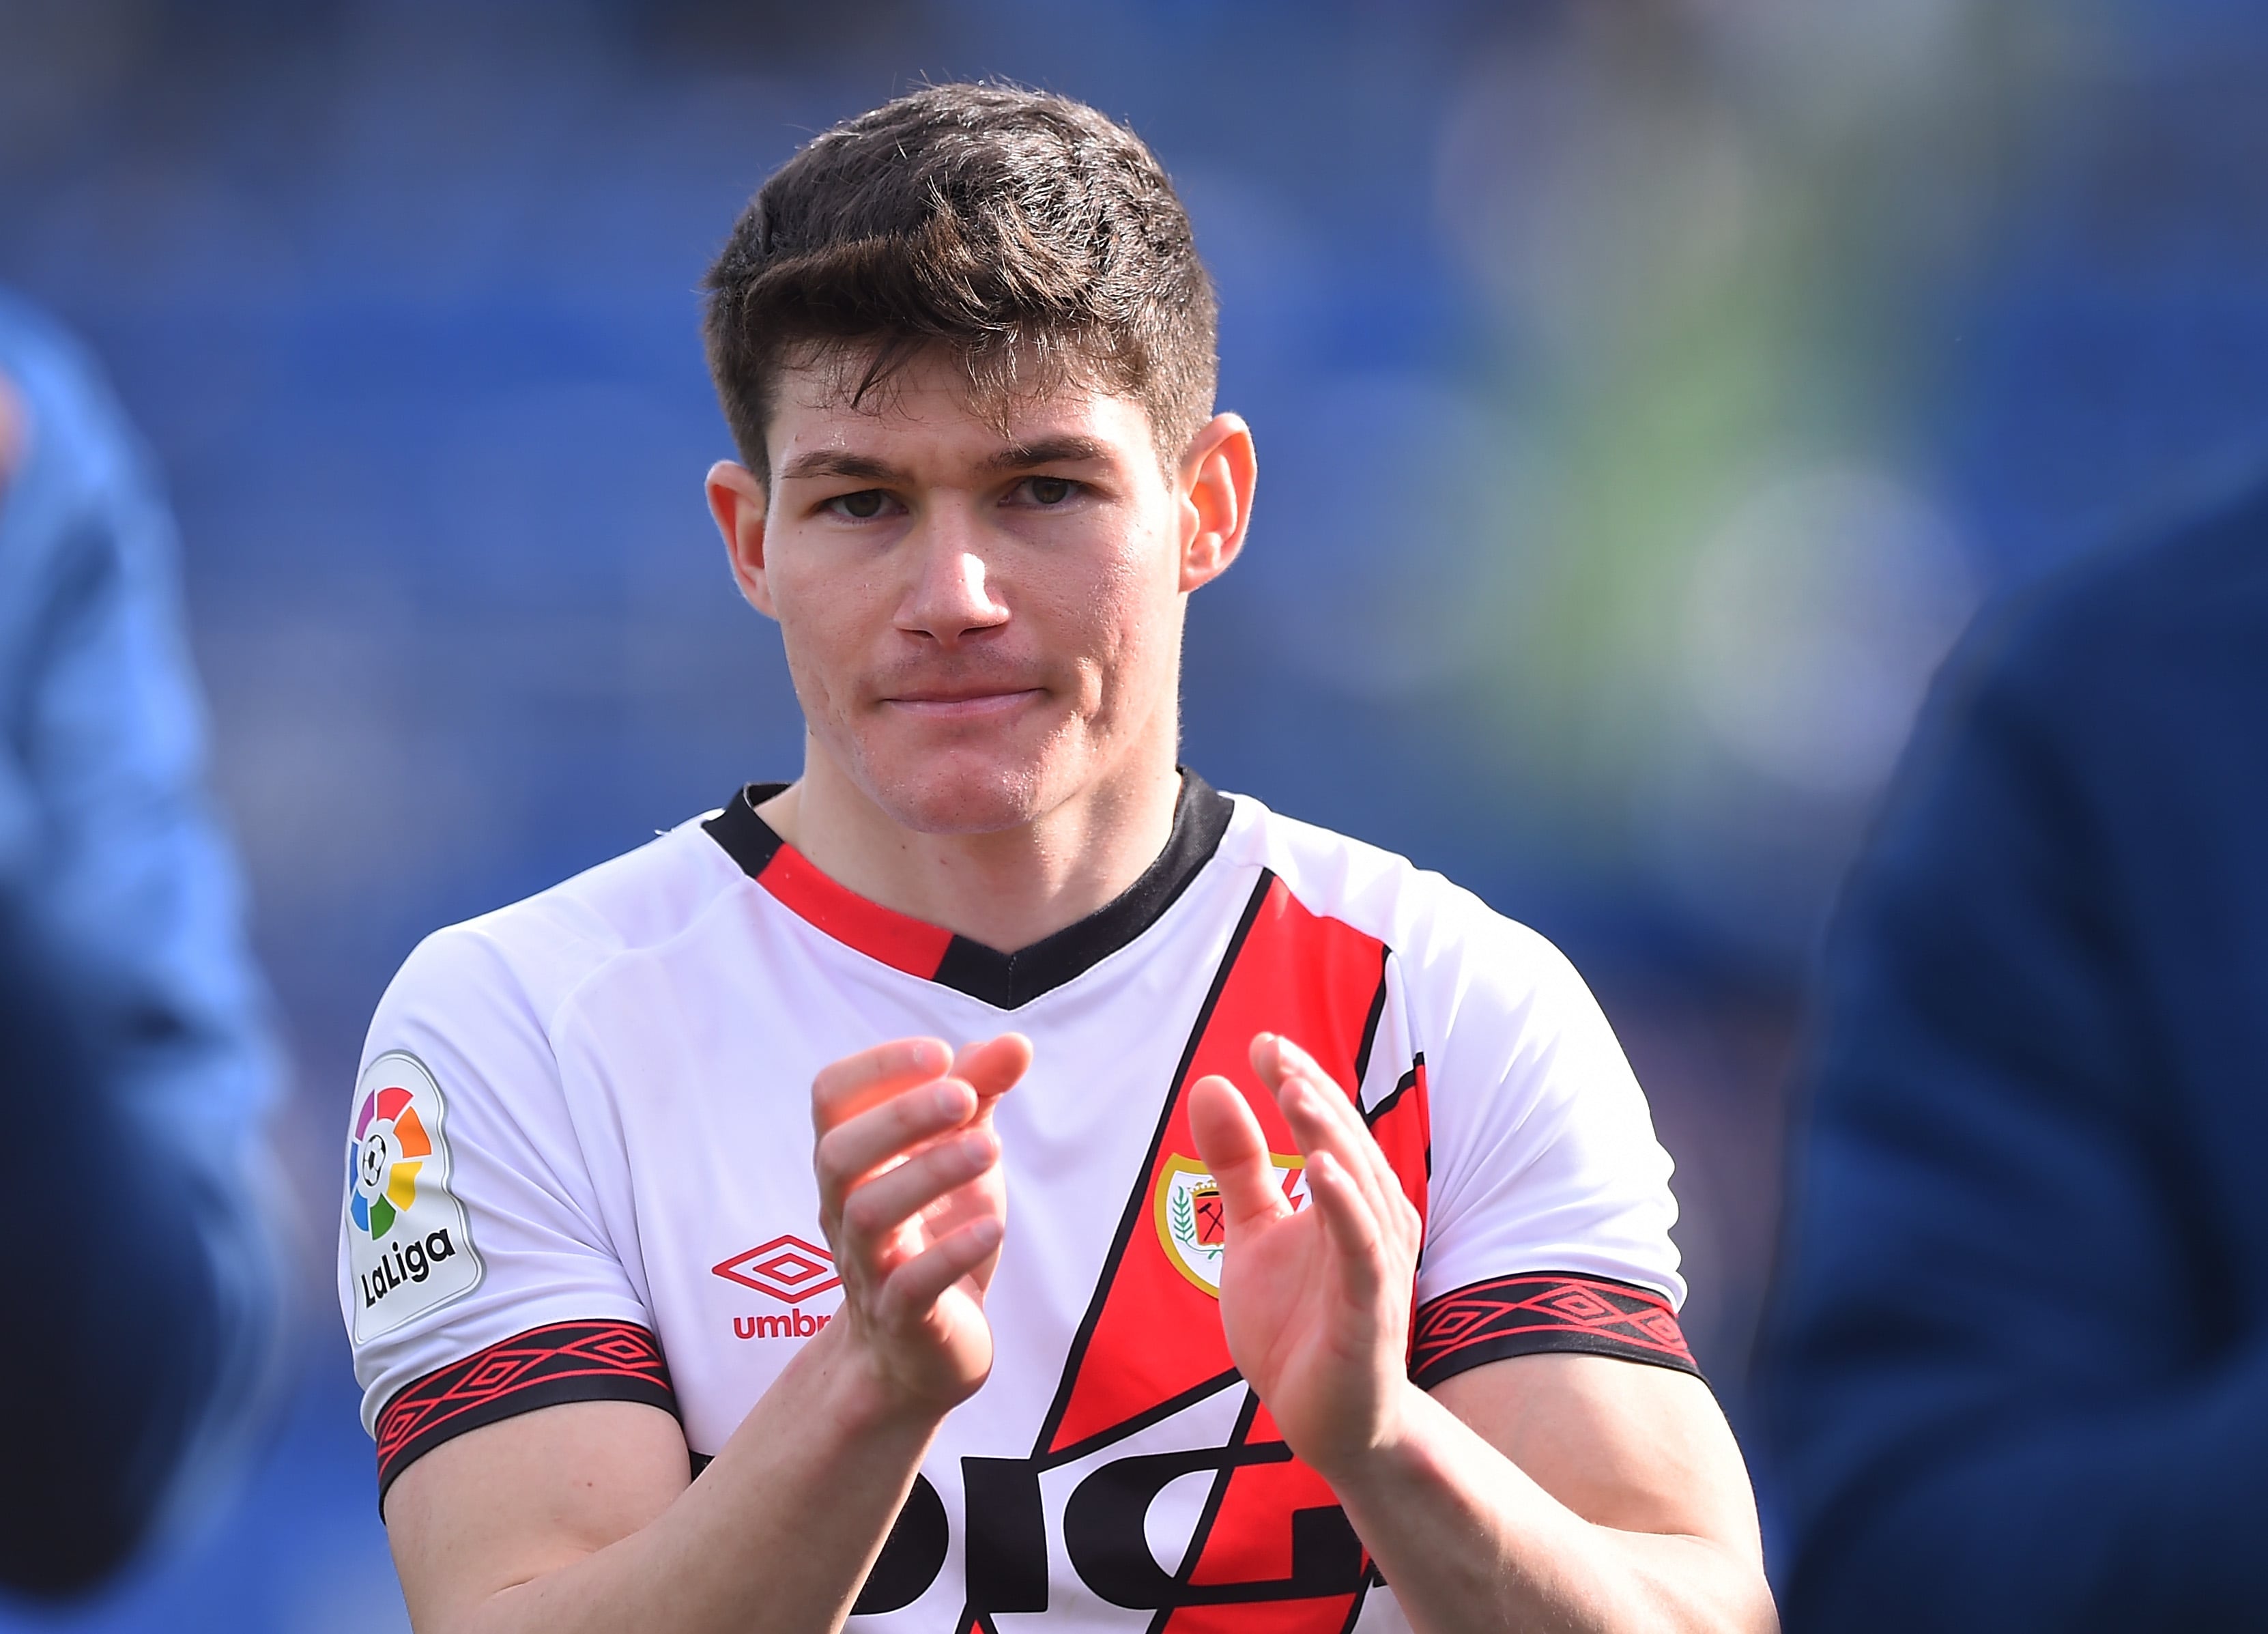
(876, 1208)
(914, 1288)
(1289, 1064)
(993, 1066)
(1235, 1151)
(1285, 1062)
(849, 1086)
(1350, 1226)
(1365, 1160)
(1318, 1126)
(851, 1151)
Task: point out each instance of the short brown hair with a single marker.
(1033, 238)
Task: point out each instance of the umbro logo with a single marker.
(789, 1269)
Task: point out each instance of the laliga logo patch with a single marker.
(389, 1137)
(406, 1245)
(1192, 1222)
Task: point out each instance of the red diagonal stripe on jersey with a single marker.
(897, 939)
(1246, 1538)
(1155, 1335)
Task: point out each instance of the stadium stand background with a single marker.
(1646, 396)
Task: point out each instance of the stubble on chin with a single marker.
(975, 788)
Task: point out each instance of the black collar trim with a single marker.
(1004, 980)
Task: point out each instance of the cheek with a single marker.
(1125, 614)
(820, 626)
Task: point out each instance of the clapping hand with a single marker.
(1316, 1301)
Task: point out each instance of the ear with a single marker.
(737, 501)
(1217, 479)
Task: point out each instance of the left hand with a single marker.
(1316, 1303)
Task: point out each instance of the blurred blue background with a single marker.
(1646, 396)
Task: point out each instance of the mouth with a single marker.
(963, 704)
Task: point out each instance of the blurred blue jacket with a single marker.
(136, 1074)
(2017, 1373)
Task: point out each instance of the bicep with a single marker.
(526, 1496)
(1625, 1444)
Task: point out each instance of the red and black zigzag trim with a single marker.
(1544, 1311)
(592, 1361)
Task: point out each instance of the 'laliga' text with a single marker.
(410, 1262)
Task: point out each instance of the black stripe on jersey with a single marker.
(1371, 1578)
(1012, 980)
(1139, 1200)
(1141, 1421)
(586, 1361)
(1370, 1031)
(747, 839)
(1203, 1533)
(1009, 980)
(1408, 1082)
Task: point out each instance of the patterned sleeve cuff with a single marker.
(590, 1361)
(1544, 1311)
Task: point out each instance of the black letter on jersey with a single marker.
(911, 1555)
(1007, 1534)
(1104, 1533)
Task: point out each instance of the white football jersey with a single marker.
(579, 1166)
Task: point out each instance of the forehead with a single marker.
(927, 416)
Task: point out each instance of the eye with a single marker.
(1047, 491)
(862, 506)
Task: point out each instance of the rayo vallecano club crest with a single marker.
(1191, 1223)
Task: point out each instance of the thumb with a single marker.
(1233, 1149)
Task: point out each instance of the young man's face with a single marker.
(981, 623)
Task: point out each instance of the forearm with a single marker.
(775, 1537)
(1469, 1542)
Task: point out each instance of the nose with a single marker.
(953, 595)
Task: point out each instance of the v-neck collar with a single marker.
(1004, 980)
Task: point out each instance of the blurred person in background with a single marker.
(2017, 1375)
(135, 1072)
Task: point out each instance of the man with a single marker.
(1111, 1325)
(2018, 1372)
(135, 1070)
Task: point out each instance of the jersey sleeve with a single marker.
(1549, 1206)
(474, 1274)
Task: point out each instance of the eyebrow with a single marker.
(833, 462)
(1068, 449)
(1071, 448)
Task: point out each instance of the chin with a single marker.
(958, 795)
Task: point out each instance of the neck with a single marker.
(1006, 889)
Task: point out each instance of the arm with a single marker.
(582, 1516)
(133, 1053)
(2016, 1371)
(1561, 1491)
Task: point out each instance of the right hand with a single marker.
(914, 1204)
